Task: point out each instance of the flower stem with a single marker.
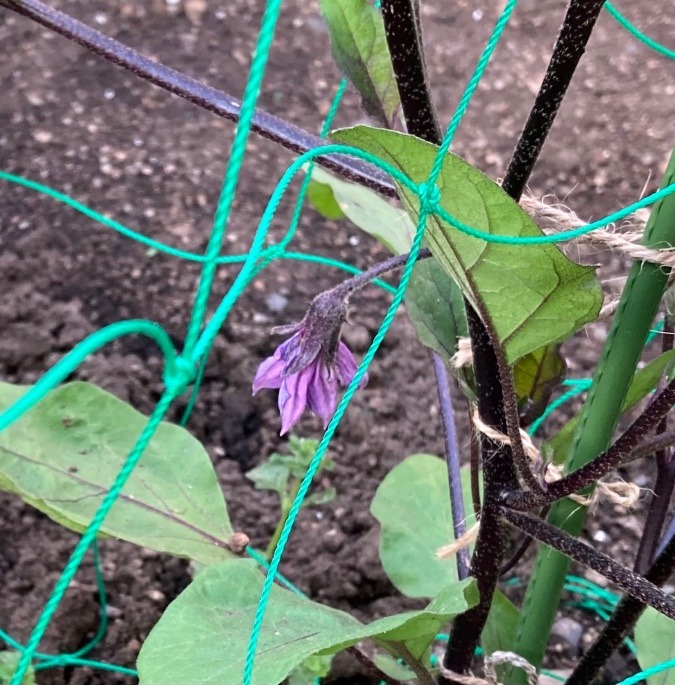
(286, 503)
(357, 282)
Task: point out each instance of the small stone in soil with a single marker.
(568, 633)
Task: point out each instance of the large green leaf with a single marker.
(644, 382)
(374, 215)
(535, 377)
(412, 532)
(63, 455)
(532, 295)
(360, 49)
(655, 642)
(203, 635)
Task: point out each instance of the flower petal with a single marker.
(322, 393)
(268, 374)
(346, 366)
(293, 398)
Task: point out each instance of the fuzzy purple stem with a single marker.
(452, 461)
(632, 583)
(216, 101)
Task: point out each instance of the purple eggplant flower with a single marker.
(308, 367)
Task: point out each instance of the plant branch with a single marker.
(452, 461)
(216, 101)
(569, 48)
(354, 283)
(609, 460)
(519, 552)
(632, 583)
(404, 39)
(366, 661)
(423, 675)
(622, 621)
(405, 47)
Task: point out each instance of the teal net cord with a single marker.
(637, 34)
(181, 369)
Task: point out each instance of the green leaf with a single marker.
(9, 660)
(322, 497)
(62, 456)
(321, 197)
(313, 668)
(393, 668)
(203, 635)
(499, 633)
(655, 642)
(270, 476)
(374, 215)
(411, 534)
(436, 307)
(535, 377)
(360, 49)
(644, 382)
(530, 295)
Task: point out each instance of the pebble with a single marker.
(570, 632)
(276, 303)
(334, 541)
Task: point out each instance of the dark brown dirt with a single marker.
(154, 162)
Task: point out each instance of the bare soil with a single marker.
(155, 163)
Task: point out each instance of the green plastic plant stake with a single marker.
(599, 415)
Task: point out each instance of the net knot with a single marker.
(274, 252)
(430, 197)
(178, 374)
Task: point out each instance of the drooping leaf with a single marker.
(535, 377)
(374, 215)
(9, 660)
(499, 633)
(203, 635)
(360, 49)
(531, 295)
(321, 197)
(411, 534)
(436, 308)
(655, 642)
(644, 382)
(62, 456)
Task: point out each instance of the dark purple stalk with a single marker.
(663, 485)
(452, 461)
(623, 619)
(607, 461)
(524, 545)
(357, 282)
(223, 105)
(405, 47)
(569, 48)
(632, 583)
